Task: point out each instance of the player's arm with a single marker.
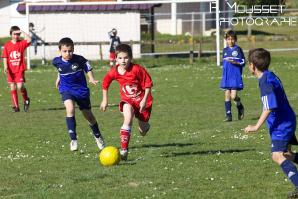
(104, 102)
(144, 100)
(107, 80)
(26, 36)
(91, 78)
(57, 81)
(5, 65)
(262, 119)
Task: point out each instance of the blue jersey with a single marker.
(282, 119)
(72, 75)
(232, 73)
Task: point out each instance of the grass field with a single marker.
(189, 152)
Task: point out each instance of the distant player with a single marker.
(231, 82)
(114, 41)
(135, 90)
(281, 119)
(72, 85)
(14, 66)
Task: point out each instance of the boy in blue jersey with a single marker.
(281, 119)
(72, 85)
(231, 82)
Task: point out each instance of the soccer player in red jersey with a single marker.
(14, 66)
(135, 91)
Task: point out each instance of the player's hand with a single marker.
(93, 81)
(103, 106)
(250, 128)
(142, 106)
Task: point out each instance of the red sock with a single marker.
(14, 98)
(24, 94)
(125, 136)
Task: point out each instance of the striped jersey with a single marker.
(282, 119)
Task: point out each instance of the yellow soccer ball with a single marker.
(109, 156)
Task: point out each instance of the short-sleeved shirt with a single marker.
(15, 54)
(282, 119)
(232, 73)
(72, 75)
(132, 83)
(114, 42)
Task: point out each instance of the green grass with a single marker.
(189, 152)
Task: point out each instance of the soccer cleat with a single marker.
(228, 119)
(74, 145)
(100, 143)
(240, 112)
(145, 130)
(26, 105)
(123, 154)
(293, 194)
(15, 109)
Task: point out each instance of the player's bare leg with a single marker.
(14, 97)
(238, 104)
(94, 127)
(228, 106)
(71, 123)
(26, 99)
(125, 132)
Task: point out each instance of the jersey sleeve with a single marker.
(25, 44)
(4, 52)
(268, 96)
(145, 79)
(241, 57)
(107, 80)
(87, 67)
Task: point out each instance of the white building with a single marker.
(88, 25)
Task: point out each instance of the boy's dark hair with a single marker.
(66, 41)
(260, 58)
(125, 49)
(13, 28)
(231, 33)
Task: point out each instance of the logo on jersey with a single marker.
(74, 67)
(131, 90)
(235, 53)
(15, 55)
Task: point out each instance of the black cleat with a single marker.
(15, 109)
(228, 119)
(26, 105)
(240, 112)
(293, 194)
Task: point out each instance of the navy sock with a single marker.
(95, 130)
(238, 102)
(71, 125)
(291, 171)
(228, 106)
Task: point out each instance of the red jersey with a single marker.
(132, 83)
(15, 54)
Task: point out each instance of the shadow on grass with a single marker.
(209, 152)
(163, 145)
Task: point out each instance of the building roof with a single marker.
(83, 8)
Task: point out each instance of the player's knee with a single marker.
(278, 157)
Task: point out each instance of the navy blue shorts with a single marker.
(282, 145)
(83, 103)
